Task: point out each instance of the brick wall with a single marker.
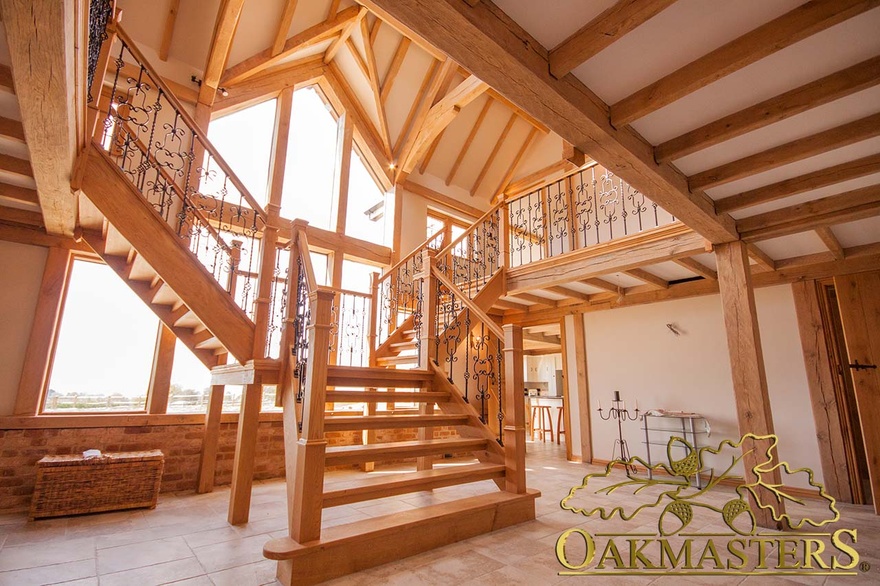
(21, 448)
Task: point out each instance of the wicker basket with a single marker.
(72, 485)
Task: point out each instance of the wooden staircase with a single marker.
(146, 283)
(363, 544)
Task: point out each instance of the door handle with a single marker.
(857, 366)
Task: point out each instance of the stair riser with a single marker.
(326, 560)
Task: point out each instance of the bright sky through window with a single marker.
(106, 340)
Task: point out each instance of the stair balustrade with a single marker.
(587, 207)
(158, 147)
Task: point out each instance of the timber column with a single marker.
(747, 367)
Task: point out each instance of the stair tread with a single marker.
(378, 486)
(348, 422)
(400, 359)
(386, 396)
(282, 548)
(336, 455)
(365, 376)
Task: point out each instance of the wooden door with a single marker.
(859, 298)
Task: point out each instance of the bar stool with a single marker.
(560, 419)
(542, 422)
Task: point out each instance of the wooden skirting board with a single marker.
(365, 544)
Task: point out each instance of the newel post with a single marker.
(307, 502)
(427, 325)
(266, 280)
(515, 413)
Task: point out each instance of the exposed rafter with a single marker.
(514, 165)
(827, 211)
(228, 16)
(394, 68)
(791, 152)
(494, 153)
(601, 32)
(283, 26)
(649, 278)
(295, 74)
(801, 184)
(796, 25)
(470, 139)
(344, 37)
(311, 36)
(761, 258)
(168, 29)
(498, 51)
(697, 267)
(440, 116)
(812, 95)
(440, 80)
(831, 242)
(373, 76)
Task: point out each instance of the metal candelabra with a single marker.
(620, 413)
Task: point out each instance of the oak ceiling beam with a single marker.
(791, 152)
(540, 177)
(760, 257)
(271, 82)
(11, 130)
(344, 38)
(498, 51)
(302, 40)
(441, 115)
(812, 95)
(168, 29)
(467, 141)
(42, 47)
(827, 211)
(601, 284)
(808, 182)
(537, 299)
(228, 16)
(283, 26)
(373, 77)
(568, 292)
(601, 32)
(440, 80)
(831, 242)
(6, 83)
(649, 278)
(542, 338)
(442, 199)
(697, 267)
(811, 266)
(796, 25)
(19, 194)
(394, 68)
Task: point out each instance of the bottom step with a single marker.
(346, 549)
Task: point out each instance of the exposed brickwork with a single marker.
(20, 449)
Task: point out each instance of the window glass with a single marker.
(190, 382)
(320, 264)
(105, 347)
(311, 161)
(356, 275)
(365, 214)
(244, 140)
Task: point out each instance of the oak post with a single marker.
(582, 388)
(307, 503)
(208, 457)
(515, 418)
(160, 375)
(44, 331)
(747, 367)
(245, 447)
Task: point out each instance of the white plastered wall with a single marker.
(632, 350)
(21, 271)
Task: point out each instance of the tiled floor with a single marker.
(186, 541)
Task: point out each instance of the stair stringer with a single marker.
(152, 237)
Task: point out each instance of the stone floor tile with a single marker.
(137, 555)
(18, 557)
(49, 574)
(155, 574)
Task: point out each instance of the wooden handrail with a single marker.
(417, 250)
(469, 303)
(524, 192)
(302, 242)
(170, 180)
(199, 134)
(448, 248)
(345, 291)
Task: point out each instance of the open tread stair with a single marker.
(349, 422)
(341, 455)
